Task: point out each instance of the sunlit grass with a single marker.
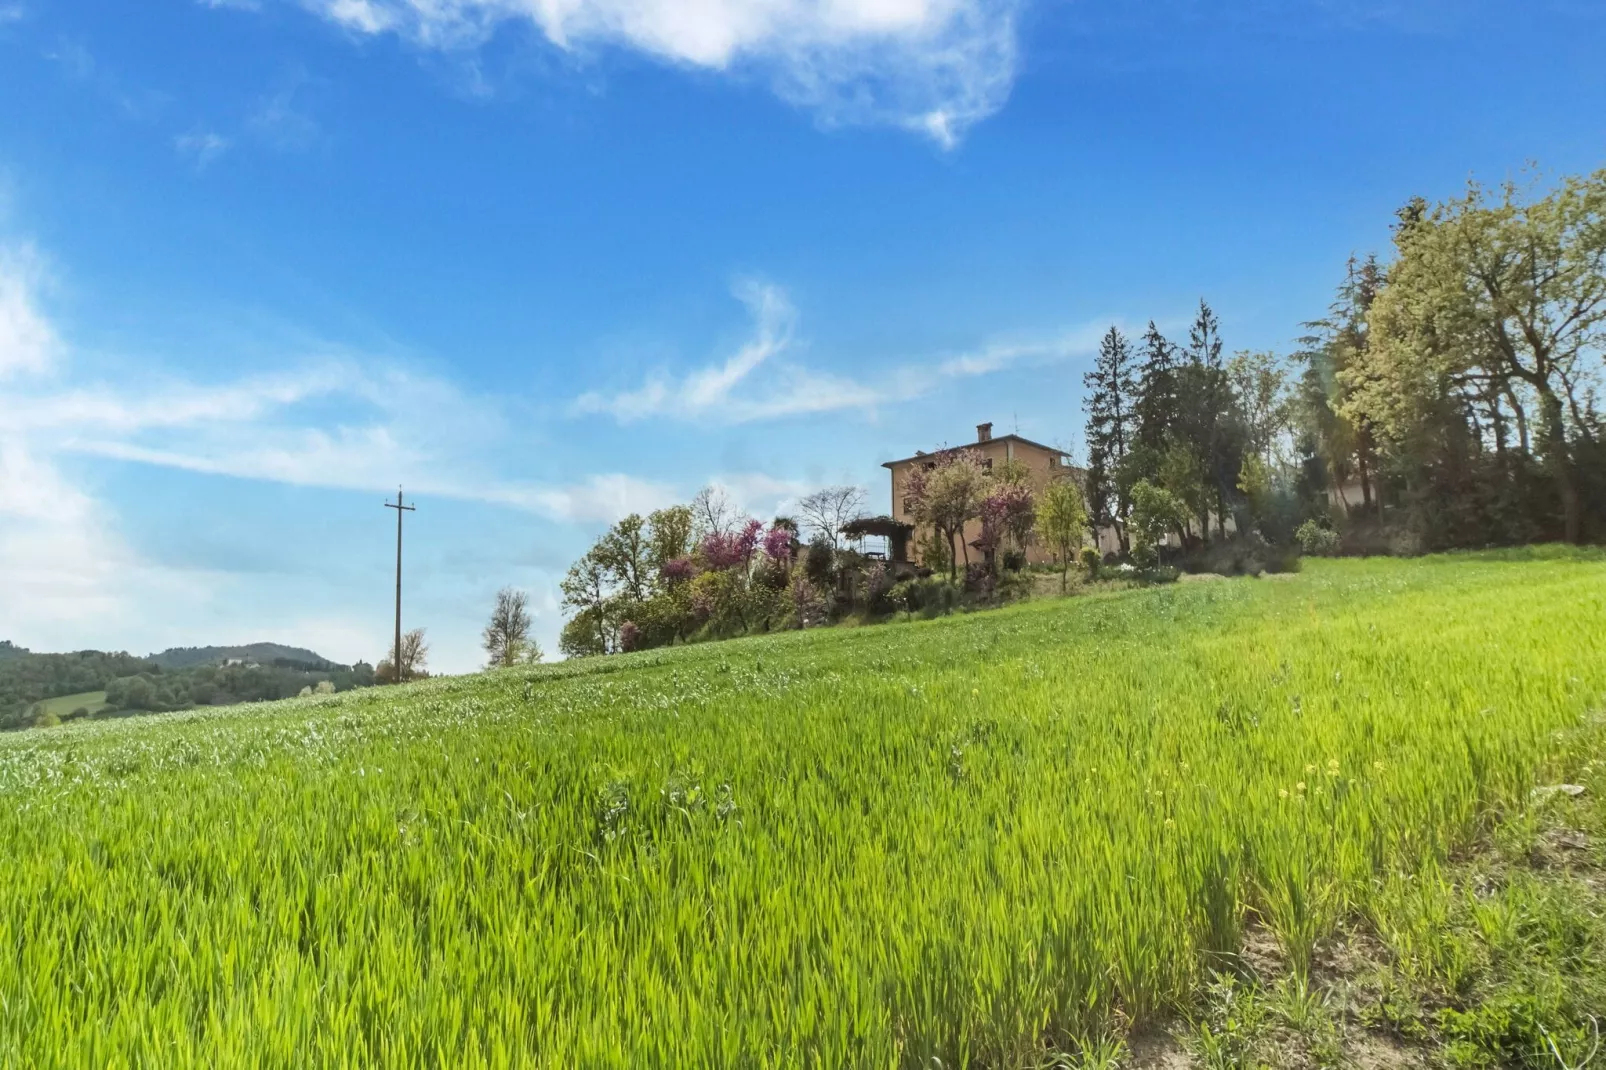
(980, 839)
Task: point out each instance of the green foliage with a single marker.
(1317, 538)
(669, 536)
(507, 636)
(947, 495)
(31, 684)
(1156, 512)
(1091, 561)
(933, 596)
(935, 551)
(819, 565)
(979, 840)
(1477, 371)
(1062, 522)
(1112, 419)
(27, 678)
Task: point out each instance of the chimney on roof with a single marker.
(984, 432)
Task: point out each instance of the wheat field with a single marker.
(975, 840)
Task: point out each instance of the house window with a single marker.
(908, 505)
(988, 464)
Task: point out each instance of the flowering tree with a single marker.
(949, 493)
(778, 545)
(1007, 516)
(731, 549)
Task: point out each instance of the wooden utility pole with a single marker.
(395, 659)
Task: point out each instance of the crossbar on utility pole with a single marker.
(395, 658)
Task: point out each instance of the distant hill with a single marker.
(175, 679)
(187, 657)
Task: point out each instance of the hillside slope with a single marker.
(185, 657)
(990, 840)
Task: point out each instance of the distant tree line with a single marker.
(142, 685)
(1449, 398)
(1185, 441)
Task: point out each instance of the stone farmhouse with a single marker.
(1043, 464)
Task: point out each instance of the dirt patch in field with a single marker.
(1157, 1050)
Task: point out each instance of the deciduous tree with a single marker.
(1062, 523)
(507, 636)
(828, 509)
(947, 495)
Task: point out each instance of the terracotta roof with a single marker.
(973, 445)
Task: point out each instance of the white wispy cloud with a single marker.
(28, 342)
(330, 421)
(280, 121)
(201, 147)
(932, 66)
(758, 382)
(61, 560)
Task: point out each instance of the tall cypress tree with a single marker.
(1208, 416)
(1112, 394)
(1156, 407)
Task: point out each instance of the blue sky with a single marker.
(548, 261)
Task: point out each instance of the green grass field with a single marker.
(61, 706)
(983, 840)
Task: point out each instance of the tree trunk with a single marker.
(1561, 463)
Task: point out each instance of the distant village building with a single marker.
(1043, 464)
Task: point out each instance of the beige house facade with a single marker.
(1044, 465)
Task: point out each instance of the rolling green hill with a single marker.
(176, 679)
(62, 706)
(186, 657)
(1008, 839)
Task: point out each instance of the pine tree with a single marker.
(1112, 390)
(1156, 408)
(1207, 417)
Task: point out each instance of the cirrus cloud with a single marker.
(933, 66)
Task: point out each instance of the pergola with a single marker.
(896, 532)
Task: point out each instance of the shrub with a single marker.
(979, 581)
(905, 595)
(1090, 561)
(877, 585)
(1314, 537)
(1013, 586)
(819, 564)
(938, 596)
(1159, 574)
(1014, 560)
(930, 597)
(1242, 555)
(1144, 555)
(807, 607)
